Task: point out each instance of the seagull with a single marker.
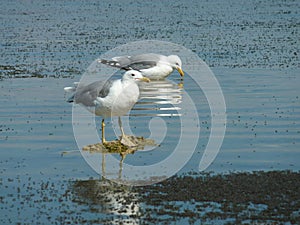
(109, 98)
(153, 66)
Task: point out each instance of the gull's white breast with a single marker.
(121, 98)
(160, 71)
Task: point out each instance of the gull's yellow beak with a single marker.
(145, 79)
(180, 71)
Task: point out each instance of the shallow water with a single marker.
(262, 119)
(252, 48)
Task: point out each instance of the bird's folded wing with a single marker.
(136, 62)
(86, 95)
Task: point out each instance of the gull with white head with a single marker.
(153, 66)
(109, 98)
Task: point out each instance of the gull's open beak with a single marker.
(180, 71)
(145, 79)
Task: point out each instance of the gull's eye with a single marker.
(132, 74)
(177, 64)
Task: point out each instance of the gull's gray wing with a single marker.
(136, 62)
(86, 95)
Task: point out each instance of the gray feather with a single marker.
(113, 64)
(136, 62)
(86, 95)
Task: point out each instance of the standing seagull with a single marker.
(153, 66)
(110, 98)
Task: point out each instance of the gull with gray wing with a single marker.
(109, 98)
(153, 66)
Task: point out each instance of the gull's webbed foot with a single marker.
(126, 140)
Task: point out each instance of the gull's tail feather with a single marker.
(71, 89)
(71, 99)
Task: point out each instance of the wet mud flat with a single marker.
(260, 197)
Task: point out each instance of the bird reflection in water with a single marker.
(112, 202)
(115, 147)
(159, 98)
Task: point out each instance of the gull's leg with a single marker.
(103, 132)
(103, 166)
(124, 138)
(121, 166)
(121, 127)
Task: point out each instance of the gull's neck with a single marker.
(127, 81)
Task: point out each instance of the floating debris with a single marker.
(118, 147)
